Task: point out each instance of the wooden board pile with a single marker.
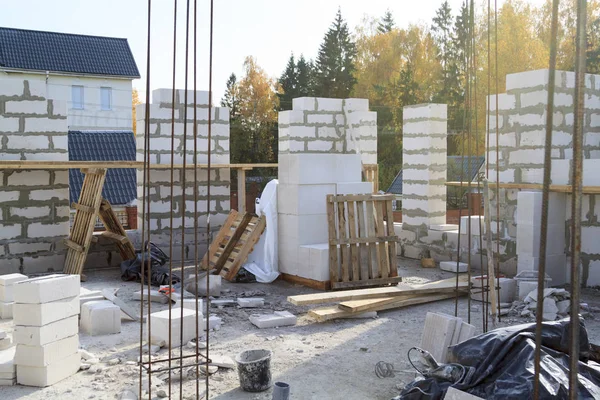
(351, 303)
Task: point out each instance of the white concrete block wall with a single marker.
(161, 131)
(424, 165)
(323, 144)
(32, 221)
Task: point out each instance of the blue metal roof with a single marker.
(120, 186)
(453, 173)
(65, 52)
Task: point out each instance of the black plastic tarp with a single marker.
(502, 365)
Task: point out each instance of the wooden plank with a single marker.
(363, 197)
(344, 250)
(83, 208)
(333, 312)
(357, 240)
(230, 272)
(374, 270)
(241, 186)
(442, 286)
(363, 248)
(354, 259)
(333, 250)
(382, 257)
(366, 283)
(60, 165)
(311, 283)
(232, 242)
(116, 237)
(358, 306)
(72, 245)
(392, 244)
(128, 310)
(216, 243)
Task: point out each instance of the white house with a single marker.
(92, 74)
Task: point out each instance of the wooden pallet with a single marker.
(86, 215)
(115, 231)
(234, 242)
(362, 248)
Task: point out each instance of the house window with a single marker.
(77, 97)
(106, 98)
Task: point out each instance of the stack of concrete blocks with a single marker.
(529, 218)
(8, 369)
(46, 315)
(159, 181)
(7, 298)
(322, 146)
(521, 136)
(34, 204)
(424, 157)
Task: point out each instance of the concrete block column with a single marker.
(529, 219)
(424, 165)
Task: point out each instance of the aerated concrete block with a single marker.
(7, 283)
(50, 374)
(100, 318)
(46, 289)
(155, 296)
(451, 266)
(437, 335)
(7, 364)
(42, 356)
(354, 188)
(45, 313)
(5, 343)
(250, 302)
(39, 336)
(455, 394)
(278, 318)
(190, 304)
(160, 326)
(214, 322)
(6, 310)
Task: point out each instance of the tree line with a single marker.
(394, 67)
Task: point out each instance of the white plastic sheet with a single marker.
(262, 262)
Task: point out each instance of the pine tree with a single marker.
(305, 76)
(387, 23)
(289, 84)
(335, 61)
(231, 97)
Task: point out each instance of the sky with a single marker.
(269, 30)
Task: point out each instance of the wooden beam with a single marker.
(533, 186)
(72, 245)
(333, 312)
(52, 165)
(81, 207)
(443, 286)
(116, 237)
(241, 189)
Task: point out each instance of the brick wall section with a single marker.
(160, 180)
(34, 205)
(329, 126)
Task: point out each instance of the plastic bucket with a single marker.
(254, 370)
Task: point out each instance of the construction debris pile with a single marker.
(556, 304)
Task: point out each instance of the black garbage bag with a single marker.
(502, 365)
(131, 270)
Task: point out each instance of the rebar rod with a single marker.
(545, 198)
(580, 65)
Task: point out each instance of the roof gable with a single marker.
(65, 52)
(120, 185)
